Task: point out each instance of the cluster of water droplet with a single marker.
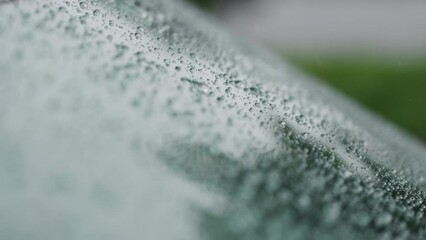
(291, 157)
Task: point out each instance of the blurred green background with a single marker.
(396, 90)
(394, 87)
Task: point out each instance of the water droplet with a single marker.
(383, 220)
(84, 5)
(96, 12)
(331, 213)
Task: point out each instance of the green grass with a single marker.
(397, 91)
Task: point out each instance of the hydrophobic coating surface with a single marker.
(145, 120)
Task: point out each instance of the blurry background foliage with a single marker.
(393, 87)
